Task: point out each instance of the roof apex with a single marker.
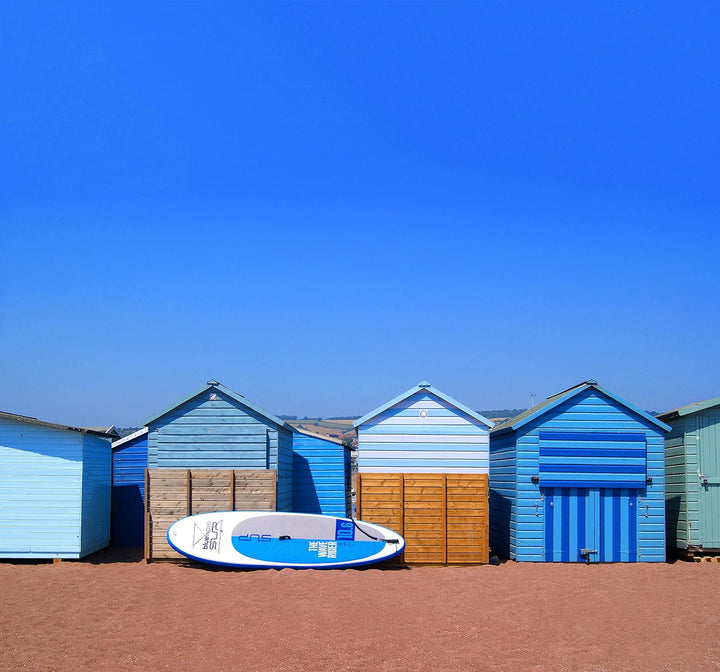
(423, 385)
(230, 393)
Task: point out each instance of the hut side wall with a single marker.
(284, 470)
(503, 495)
(40, 491)
(128, 493)
(423, 434)
(681, 493)
(321, 476)
(96, 493)
(591, 412)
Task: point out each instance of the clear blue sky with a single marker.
(321, 204)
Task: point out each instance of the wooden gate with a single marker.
(443, 517)
(171, 494)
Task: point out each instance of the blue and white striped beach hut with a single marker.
(423, 471)
(579, 477)
(54, 489)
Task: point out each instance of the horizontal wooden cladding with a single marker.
(443, 517)
(175, 493)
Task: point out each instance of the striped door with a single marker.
(590, 524)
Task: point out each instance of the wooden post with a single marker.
(358, 496)
(232, 490)
(148, 520)
(188, 481)
(444, 525)
(402, 505)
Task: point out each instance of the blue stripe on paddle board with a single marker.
(306, 551)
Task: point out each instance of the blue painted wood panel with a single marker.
(45, 492)
(96, 493)
(321, 476)
(128, 495)
(553, 474)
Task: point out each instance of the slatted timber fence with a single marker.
(443, 517)
(171, 494)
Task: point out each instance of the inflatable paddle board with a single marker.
(277, 539)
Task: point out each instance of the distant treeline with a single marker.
(502, 413)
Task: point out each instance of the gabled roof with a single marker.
(130, 437)
(340, 442)
(213, 384)
(423, 385)
(34, 421)
(523, 418)
(690, 408)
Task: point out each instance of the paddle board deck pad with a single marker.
(277, 539)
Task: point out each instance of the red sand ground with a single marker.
(114, 612)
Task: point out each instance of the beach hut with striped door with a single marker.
(423, 472)
(54, 489)
(692, 470)
(579, 477)
(321, 474)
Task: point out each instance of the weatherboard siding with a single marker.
(42, 495)
(128, 494)
(423, 434)
(503, 496)
(321, 477)
(96, 493)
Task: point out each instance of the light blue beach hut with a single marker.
(579, 477)
(692, 470)
(55, 485)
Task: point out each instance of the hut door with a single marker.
(590, 524)
(709, 495)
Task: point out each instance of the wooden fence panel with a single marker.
(171, 494)
(443, 517)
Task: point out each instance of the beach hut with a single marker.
(692, 471)
(54, 489)
(579, 477)
(129, 461)
(321, 474)
(213, 450)
(423, 472)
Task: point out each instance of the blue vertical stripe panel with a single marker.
(549, 524)
(582, 522)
